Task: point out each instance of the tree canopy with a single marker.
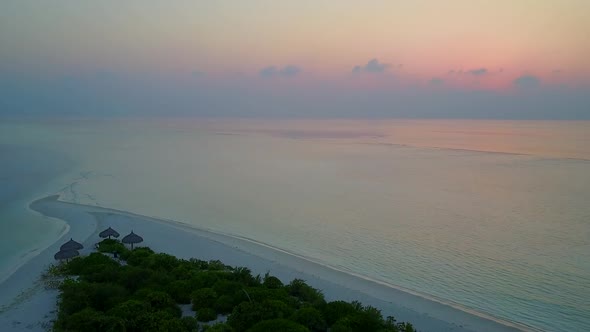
(143, 291)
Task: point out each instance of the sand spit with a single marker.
(25, 305)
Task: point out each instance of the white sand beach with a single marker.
(25, 305)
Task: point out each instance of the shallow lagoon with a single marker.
(491, 215)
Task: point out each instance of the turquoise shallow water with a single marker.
(491, 215)
(25, 173)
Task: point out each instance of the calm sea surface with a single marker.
(491, 215)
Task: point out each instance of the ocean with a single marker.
(492, 216)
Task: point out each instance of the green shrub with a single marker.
(92, 320)
(158, 321)
(282, 325)
(55, 270)
(129, 311)
(134, 278)
(246, 314)
(198, 264)
(272, 282)
(184, 271)
(355, 317)
(190, 324)
(206, 315)
(203, 298)
(78, 295)
(171, 325)
(342, 325)
(204, 279)
(89, 320)
(224, 304)
(311, 318)
(277, 309)
(305, 293)
(217, 265)
(244, 276)
(159, 279)
(137, 256)
(260, 293)
(104, 296)
(89, 264)
(219, 327)
(160, 300)
(180, 291)
(74, 296)
(227, 287)
(334, 311)
(112, 246)
(368, 318)
(162, 262)
(143, 296)
(101, 273)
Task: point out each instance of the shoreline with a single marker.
(427, 297)
(32, 253)
(186, 241)
(25, 304)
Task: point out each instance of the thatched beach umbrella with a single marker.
(71, 245)
(132, 238)
(66, 254)
(108, 233)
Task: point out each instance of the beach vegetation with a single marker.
(272, 281)
(219, 327)
(305, 293)
(203, 298)
(279, 324)
(89, 319)
(224, 304)
(311, 318)
(112, 246)
(178, 290)
(206, 315)
(189, 324)
(54, 276)
(141, 290)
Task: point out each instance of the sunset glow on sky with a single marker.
(463, 45)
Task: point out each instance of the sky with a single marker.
(306, 58)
